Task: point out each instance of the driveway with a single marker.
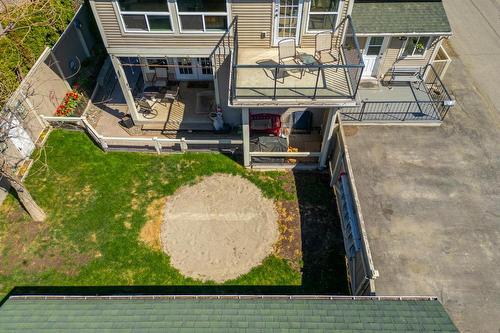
(476, 29)
(430, 198)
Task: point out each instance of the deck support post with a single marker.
(245, 129)
(216, 89)
(327, 138)
(127, 92)
(157, 145)
(183, 145)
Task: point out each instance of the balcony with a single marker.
(425, 101)
(257, 78)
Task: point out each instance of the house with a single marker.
(169, 313)
(275, 67)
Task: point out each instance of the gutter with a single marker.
(363, 34)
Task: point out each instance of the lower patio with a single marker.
(188, 115)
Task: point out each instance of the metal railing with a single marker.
(268, 79)
(435, 108)
(225, 46)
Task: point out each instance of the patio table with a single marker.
(308, 59)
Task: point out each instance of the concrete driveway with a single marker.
(430, 197)
(476, 29)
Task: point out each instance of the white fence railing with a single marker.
(284, 154)
(105, 142)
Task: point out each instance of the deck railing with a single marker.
(142, 143)
(339, 80)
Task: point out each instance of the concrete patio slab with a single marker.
(431, 204)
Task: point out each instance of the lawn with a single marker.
(98, 202)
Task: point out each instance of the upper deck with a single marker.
(259, 79)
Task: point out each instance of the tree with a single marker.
(10, 128)
(26, 28)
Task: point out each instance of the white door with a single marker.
(372, 54)
(20, 138)
(193, 69)
(204, 68)
(287, 15)
(185, 68)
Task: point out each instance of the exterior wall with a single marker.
(308, 39)
(147, 43)
(254, 18)
(391, 56)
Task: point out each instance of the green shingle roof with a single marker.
(400, 17)
(209, 314)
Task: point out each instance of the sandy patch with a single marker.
(218, 229)
(150, 232)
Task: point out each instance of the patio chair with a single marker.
(287, 54)
(323, 48)
(161, 76)
(171, 95)
(146, 109)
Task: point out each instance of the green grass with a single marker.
(96, 204)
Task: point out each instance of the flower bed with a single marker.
(70, 103)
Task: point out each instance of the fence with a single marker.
(156, 144)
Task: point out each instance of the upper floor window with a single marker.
(202, 15)
(145, 15)
(323, 15)
(415, 46)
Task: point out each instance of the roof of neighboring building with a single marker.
(400, 17)
(209, 313)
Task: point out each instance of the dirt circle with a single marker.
(219, 228)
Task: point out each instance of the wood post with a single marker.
(245, 129)
(157, 145)
(183, 144)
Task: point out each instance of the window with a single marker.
(375, 46)
(416, 46)
(202, 15)
(206, 66)
(323, 15)
(145, 15)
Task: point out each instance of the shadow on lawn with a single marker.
(323, 272)
(323, 253)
